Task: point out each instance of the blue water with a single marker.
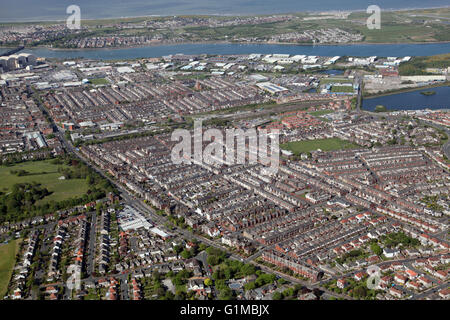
(33, 10)
(331, 72)
(383, 50)
(413, 100)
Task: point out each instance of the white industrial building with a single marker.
(131, 219)
(271, 87)
(17, 61)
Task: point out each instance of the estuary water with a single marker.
(413, 100)
(381, 50)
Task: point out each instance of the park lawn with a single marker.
(65, 189)
(7, 261)
(98, 81)
(321, 112)
(342, 89)
(331, 144)
(45, 173)
(335, 80)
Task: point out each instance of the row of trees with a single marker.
(261, 280)
(20, 200)
(19, 157)
(154, 286)
(418, 65)
(394, 239)
(19, 173)
(233, 269)
(351, 255)
(291, 292)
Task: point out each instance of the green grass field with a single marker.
(7, 260)
(335, 80)
(331, 144)
(342, 89)
(404, 26)
(321, 112)
(45, 173)
(99, 81)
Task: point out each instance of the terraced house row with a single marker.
(304, 210)
(147, 102)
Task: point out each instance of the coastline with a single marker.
(228, 42)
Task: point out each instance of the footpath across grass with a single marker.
(331, 144)
(7, 261)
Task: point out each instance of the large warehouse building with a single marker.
(17, 61)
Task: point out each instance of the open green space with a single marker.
(45, 173)
(398, 26)
(320, 112)
(37, 188)
(403, 26)
(98, 81)
(335, 80)
(8, 254)
(342, 89)
(418, 65)
(331, 144)
(392, 32)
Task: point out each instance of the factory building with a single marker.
(17, 61)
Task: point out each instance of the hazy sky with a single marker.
(31, 10)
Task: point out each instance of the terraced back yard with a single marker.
(46, 173)
(7, 261)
